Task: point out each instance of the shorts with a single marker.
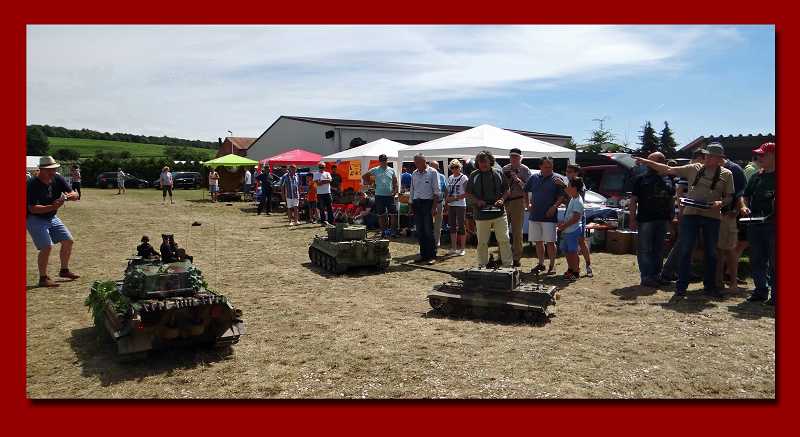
(384, 205)
(312, 204)
(120, 183)
(246, 188)
(292, 203)
(213, 188)
(728, 234)
(569, 241)
(166, 189)
(46, 231)
(542, 231)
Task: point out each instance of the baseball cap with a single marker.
(515, 151)
(715, 149)
(765, 148)
(699, 152)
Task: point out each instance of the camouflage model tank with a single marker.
(492, 293)
(161, 305)
(347, 246)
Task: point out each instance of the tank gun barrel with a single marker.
(460, 273)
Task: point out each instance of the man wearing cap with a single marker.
(710, 189)
(516, 174)
(386, 188)
(324, 199)
(758, 200)
(46, 193)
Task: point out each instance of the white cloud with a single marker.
(199, 81)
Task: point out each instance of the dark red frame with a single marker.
(238, 417)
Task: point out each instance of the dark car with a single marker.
(612, 180)
(108, 179)
(182, 179)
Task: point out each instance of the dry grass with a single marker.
(371, 335)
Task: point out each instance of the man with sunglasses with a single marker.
(386, 188)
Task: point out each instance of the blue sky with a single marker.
(200, 81)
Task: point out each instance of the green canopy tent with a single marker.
(232, 177)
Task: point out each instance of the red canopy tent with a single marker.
(298, 157)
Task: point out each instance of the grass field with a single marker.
(88, 148)
(370, 335)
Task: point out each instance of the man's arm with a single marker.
(657, 166)
(576, 217)
(395, 185)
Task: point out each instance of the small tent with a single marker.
(352, 163)
(231, 173)
(466, 144)
(297, 157)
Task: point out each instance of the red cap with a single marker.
(765, 148)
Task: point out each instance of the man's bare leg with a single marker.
(540, 252)
(42, 260)
(64, 253)
(551, 254)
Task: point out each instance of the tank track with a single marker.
(450, 307)
(325, 261)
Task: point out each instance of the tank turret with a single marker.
(345, 246)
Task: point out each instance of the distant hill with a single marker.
(87, 148)
(88, 134)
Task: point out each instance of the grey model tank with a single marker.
(492, 293)
(161, 305)
(346, 246)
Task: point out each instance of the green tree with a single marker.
(667, 144)
(37, 142)
(598, 138)
(648, 139)
(571, 144)
(66, 155)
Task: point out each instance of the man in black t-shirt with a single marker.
(265, 179)
(46, 193)
(758, 201)
(651, 208)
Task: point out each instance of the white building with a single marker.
(327, 135)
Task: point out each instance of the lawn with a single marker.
(88, 148)
(372, 335)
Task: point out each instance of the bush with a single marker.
(145, 168)
(66, 155)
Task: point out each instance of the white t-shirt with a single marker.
(323, 188)
(248, 178)
(455, 187)
(575, 205)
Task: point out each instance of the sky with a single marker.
(198, 82)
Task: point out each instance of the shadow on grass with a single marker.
(200, 201)
(631, 292)
(491, 316)
(353, 272)
(99, 359)
(692, 303)
(752, 310)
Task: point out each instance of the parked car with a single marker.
(612, 180)
(182, 179)
(108, 179)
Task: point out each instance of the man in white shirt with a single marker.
(248, 181)
(324, 200)
(425, 193)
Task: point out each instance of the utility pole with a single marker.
(601, 120)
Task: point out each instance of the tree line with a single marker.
(88, 134)
(602, 140)
(145, 168)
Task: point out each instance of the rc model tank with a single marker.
(347, 246)
(161, 305)
(495, 293)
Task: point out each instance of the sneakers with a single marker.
(757, 297)
(589, 271)
(430, 262)
(538, 269)
(65, 273)
(462, 252)
(45, 281)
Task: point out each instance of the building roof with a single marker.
(241, 143)
(445, 128)
(738, 141)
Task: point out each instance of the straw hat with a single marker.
(48, 162)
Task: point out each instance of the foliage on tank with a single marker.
(103, 293)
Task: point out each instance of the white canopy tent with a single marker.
(32, 162)
(466, 144)
(368, 152)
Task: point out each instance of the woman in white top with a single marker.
(213, 184)
(456, 208)
(166, 182)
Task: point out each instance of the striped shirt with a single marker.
(292, 185)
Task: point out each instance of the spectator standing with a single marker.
(669, 271)
(573, 170)
(572, 227)
(516, 174)
(758, 200)
(487, 188)
(751, 168)
(386, 188)
(265, 179)
(651, 207)
(709, 184)
(166, 182)
(546, 194)
(424, 194)
(324, 182)
(311, 199)
(46, 193)
(437, 217)
(405, 179)
(248, 181)
(75, 179)
(336, 185)
(728, 245)
(291, 192)
(213, 184)
(457, 208)
(121, 175)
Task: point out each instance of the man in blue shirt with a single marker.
(385, 192)
(405, 179)
(425, 193)
(547, 193)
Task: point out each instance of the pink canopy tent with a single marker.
(298, 157)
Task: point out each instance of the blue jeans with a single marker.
(690, 225)
(650, 252)
(762, 257)
(423, 222)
